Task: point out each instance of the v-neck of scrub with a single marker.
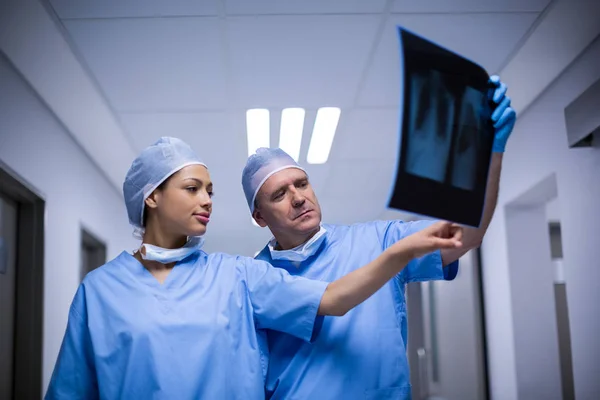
(175, 279)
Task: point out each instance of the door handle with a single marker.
(423, 375)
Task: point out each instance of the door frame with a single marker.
(29, 285)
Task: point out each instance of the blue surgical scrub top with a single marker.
(192, 337)
(361, 355)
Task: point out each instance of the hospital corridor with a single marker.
(300, 199)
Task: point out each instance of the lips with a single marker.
(303, 213)
(203, 217)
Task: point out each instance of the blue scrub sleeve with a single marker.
(427, 268)
(74, 375)
(282, 302)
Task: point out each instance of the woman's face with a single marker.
(184, 204)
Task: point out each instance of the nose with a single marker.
(205, 201)
(298, 198)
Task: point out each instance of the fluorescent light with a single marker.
(290, 134)
(322, 135)
(257, 128)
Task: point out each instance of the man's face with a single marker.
(288, 205)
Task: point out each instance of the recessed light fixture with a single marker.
(290, 134)
(322, 136)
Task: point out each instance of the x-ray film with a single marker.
(446, 136)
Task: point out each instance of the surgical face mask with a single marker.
(301, 252)
(166, 256)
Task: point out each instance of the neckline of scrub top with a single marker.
(175, 279)
(295, 267)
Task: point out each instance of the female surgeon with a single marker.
(173, 322)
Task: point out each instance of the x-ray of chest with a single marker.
(445, 133)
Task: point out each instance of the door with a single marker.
(93, 253)
(446, 342)
(8, 239)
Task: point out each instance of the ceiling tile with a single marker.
(360, 185)
(358, 192)
(217, 137)
(154, 64)
(205, 129)
(132, 8)
(257, 7)
(281, 62)
(487, 39)
(318, 175)
(367, 135)
(459, 6)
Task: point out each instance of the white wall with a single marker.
(37, 147)
(538, 148)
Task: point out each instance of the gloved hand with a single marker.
(503, 116)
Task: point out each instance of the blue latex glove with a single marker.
(503, 116)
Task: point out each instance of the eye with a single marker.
(211, 194)
(191, 189)
(278, 196)
(303, 184)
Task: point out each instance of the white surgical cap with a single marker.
(152, 167)
(260, 166)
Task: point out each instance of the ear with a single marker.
(152, 200)
(258, 218)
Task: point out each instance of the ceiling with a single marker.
(191, 68)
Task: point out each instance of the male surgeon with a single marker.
(361, 355)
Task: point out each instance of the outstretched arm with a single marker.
(352, 289)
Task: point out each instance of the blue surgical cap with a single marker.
(152, 167)
(260, 166)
